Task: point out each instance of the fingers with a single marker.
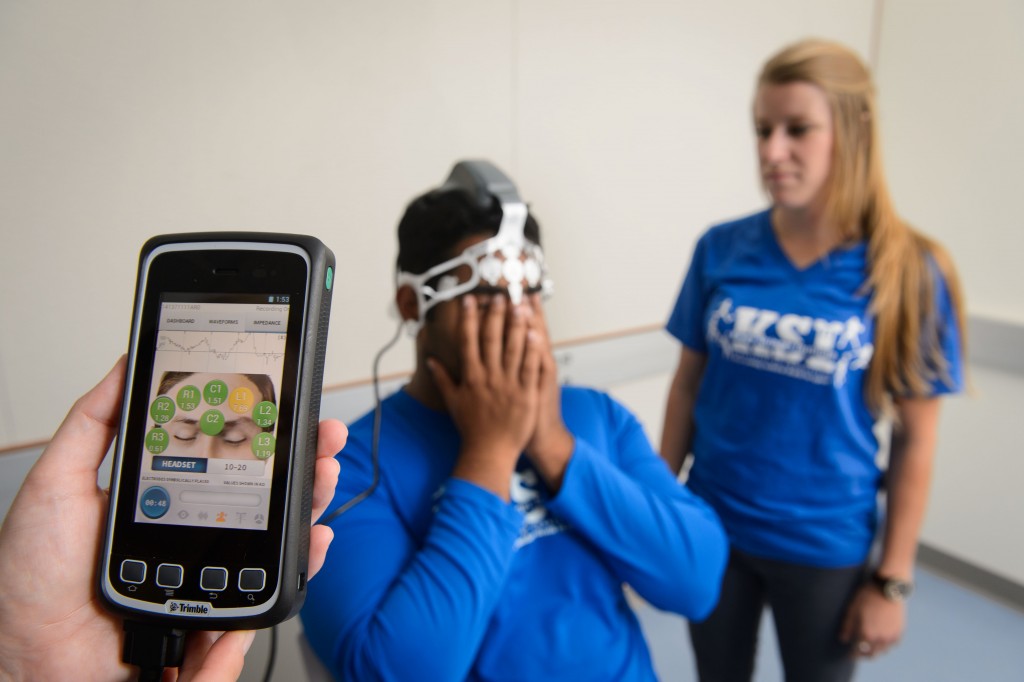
(846, 630)
(865, 641)
(469, 340)
(515, 339)
(850, 631)
(492, 335)
(492, 343)
(539, 325)
(215, 656)
(539, 322)
(331, 438)
(320, 538)
(867, 647)
(197, 647)
(325, 482)
(532, 360)
(82, 440)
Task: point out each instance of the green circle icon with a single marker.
(263, 446)
(188, 398)
(212, 422)
(215, 392)
(156, 440)
(265, 414)
(162, 410)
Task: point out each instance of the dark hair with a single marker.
(438, 220)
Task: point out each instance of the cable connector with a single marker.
(152, 648)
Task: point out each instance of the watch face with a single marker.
(896, 590)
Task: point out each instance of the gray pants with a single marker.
(808, 605)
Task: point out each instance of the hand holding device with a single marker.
(211, 483)
(52, 625)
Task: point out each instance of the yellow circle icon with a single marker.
(241, 401)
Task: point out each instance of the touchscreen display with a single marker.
(211, 433)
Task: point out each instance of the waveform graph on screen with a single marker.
(210, 351)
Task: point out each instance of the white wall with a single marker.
(625, 124)
(977, 508)
(952, 99)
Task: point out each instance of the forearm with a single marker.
(444, 593)
(911, 463)
(655, 535)
(487, 469)
(552, 460)
(678, 426)
(677, 429)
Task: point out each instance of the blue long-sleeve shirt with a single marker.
(434, 578)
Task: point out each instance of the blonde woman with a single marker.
(801, 326)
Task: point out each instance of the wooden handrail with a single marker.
(365, 381)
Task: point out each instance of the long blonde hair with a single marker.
(908, 352)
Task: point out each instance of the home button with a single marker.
(133, 571)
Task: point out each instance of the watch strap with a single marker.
(893, 589)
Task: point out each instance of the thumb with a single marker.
(846, 631)
(214, 656)
(81, 441)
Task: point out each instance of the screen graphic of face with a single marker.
(219, 416)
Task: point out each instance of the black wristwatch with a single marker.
(893, 589)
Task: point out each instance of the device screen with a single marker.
(213, 406)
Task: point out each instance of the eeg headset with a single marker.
(507, 261)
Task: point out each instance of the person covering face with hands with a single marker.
(510, 510)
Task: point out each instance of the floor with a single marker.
(954, 634)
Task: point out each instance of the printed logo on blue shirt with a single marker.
(811, 349)
(524, 492)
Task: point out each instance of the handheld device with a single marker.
(211, 483)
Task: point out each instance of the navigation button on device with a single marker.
(214, 579)
(252, 579)
(169, 575)
(133, 571)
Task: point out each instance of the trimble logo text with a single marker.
(188, 608)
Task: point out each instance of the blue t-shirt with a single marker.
(434, 578)
(784, 447)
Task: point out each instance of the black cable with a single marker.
(152, 648)
(273, 654)
(375, 446)
(374, 458)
